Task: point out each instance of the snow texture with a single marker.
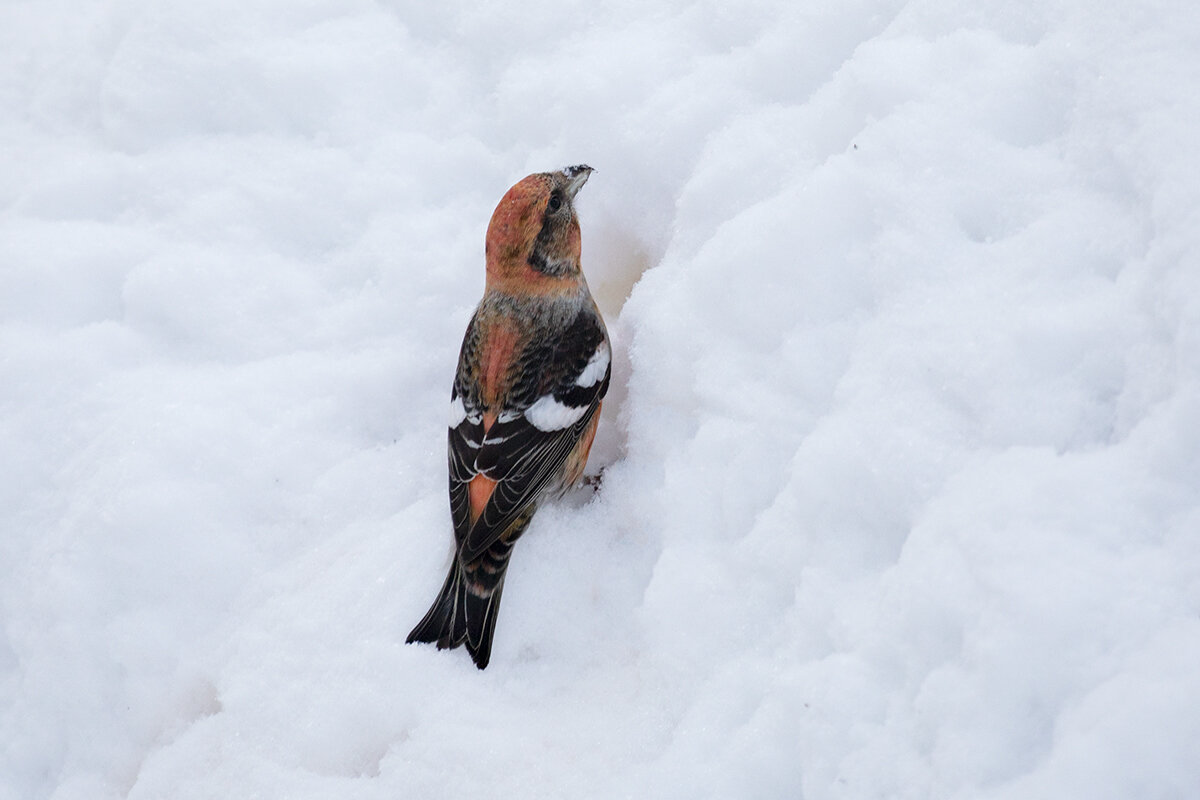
(902, 451)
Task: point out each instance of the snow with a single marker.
(900, 493)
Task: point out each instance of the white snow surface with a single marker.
(901, 490)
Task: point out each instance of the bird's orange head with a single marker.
(533, 242)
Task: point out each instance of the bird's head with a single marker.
(533, 238)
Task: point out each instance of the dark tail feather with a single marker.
(481, 623)
(459, 615)
(445, 622)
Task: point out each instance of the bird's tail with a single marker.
(445, 622)
(463, 613)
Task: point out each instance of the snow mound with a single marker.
(900, 455)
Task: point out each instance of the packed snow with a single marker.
(901, 458)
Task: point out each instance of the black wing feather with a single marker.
(523, 459)
(464, 442)
(527, 472)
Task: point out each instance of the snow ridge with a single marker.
(900, 451)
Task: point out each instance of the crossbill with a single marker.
(533, 370)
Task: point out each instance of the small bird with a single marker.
(533, 370)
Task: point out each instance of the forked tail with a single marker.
(463, 613)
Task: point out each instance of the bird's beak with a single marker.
(576, 177)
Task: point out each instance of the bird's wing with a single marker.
(466, 431)
(525, 448)
(465, 440)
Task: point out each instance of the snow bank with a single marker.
(900, 494)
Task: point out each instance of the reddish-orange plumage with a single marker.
(512, 234)
(480, 490)
(499, 345)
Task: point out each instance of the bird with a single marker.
(533, 370)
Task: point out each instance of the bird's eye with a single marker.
(555, 202)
